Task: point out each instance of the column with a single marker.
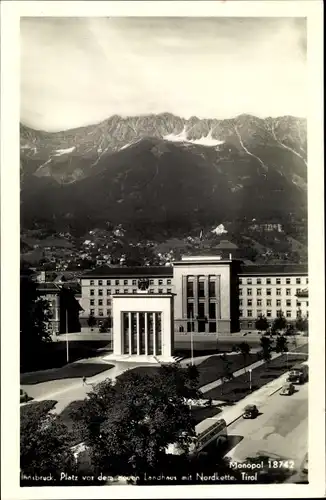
(146, 334)
(138, 334)
(129, 325)
(154, 334)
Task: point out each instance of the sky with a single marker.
(80, 71)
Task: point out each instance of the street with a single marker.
(279, 432)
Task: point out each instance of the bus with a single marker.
(209, 431)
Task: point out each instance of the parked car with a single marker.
(23, 396)
(287, 390)
(250, 411)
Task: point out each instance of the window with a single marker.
(259, 302)
(288, 303)
(269, 302)
(249, 291)
(92, 292)
(212, 310)
(307, 314)
(108, 282)
(298, 303)
(117, 291)
(92, 312)
(268, 291)
(288, 314)
(268, 313)
(298, 281)
(307, 303)
(160, 282)
(125, 282)
(100, 292)
(240, 312)
(249, 313)
(240, 291)
(279, 313)
(278, 281)
(258, 291)
(108, 312)
(190, 287)
(116, 282)
(151, 290)
(125, 290)
(108, 302)
(259, 312)
(288, 281)
(181, 329)
(100, 302)
(211, 288)
(278, 291)
(91, 282)
(168, 282)
(240, 281)
(307, 281)
(298, 290)
(240, 302)
(201, 288)
(151, 282)
(288, 291)
(190, 310)
(169, 290)
(278, 303)
(249, 324)
(134, 290)
(268, 281)
(134, 282)
(100, 312)
(92, 302)
(108, 291)
(100, 283)
(160, 290)
(258, 281)
(249, 302)
(249, 281)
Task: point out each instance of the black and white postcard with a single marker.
(162, 247)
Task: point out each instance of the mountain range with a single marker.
(164, 171)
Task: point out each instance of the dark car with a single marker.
(250, 411)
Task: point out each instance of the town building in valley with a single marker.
(213, 295)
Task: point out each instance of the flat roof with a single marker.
(273, 269)
(142, 295)
(137, 272)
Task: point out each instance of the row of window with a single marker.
(288, 291)
(270, 281)
(117, 291)
(203, 284)
(100, 312)
(259, 302)
(288, 314)
(133, 282)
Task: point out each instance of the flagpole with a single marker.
(191, 340)
(67, 341)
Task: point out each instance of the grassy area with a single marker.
(75, 370)
(238, 388)
(54, 355)
(212, 368)
(200, 413)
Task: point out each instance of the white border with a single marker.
(11, 11)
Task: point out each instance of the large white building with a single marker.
(213, 295)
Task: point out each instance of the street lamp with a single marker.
(250, 370)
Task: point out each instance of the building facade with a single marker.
(213, 295)
(268, 289)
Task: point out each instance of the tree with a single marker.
(44, 443)
(301, 323)
(266, 348)
(244, 349)
(281, 344)
(91, 321)
(34, 320)
(127, 426)
(262, 323)
(106, 325)
(279, 323)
